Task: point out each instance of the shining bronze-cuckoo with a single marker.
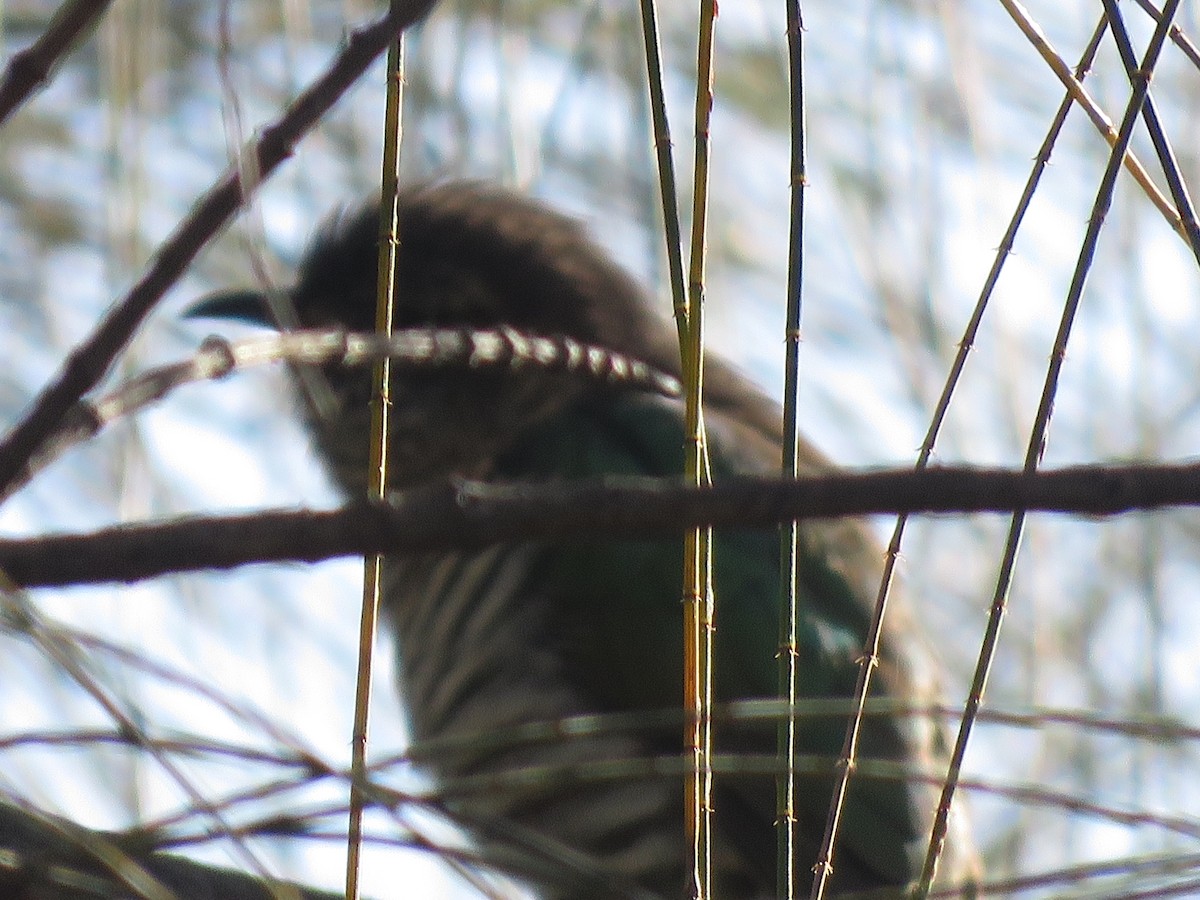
(537, 632)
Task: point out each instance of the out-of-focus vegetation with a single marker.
(923, 122)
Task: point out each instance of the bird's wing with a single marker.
(621, 625)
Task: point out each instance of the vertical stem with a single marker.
(789, 533)
(698, 597)
(687, 302)
(377, 476)
(666, 169)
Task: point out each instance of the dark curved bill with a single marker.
(239, 306)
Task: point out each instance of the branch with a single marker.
(89, 361)
(44, 856)
(31, 67)
(471, 514)
(409, 349)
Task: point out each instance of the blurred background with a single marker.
(924, 118)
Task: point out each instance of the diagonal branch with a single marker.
(30, 68)
(89, 361)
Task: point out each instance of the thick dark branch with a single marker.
(472, 514)
(90, 360)
(31, 68)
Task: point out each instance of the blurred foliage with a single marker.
(923, 118)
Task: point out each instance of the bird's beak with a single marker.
(240, 306)
(253, 308)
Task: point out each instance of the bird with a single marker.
(534, 633)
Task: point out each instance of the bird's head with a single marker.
(470, 255)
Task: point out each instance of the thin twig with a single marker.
(1178, 36)
(871, 644)
(1162, 146)
(1033, 32)
(1037, 441)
